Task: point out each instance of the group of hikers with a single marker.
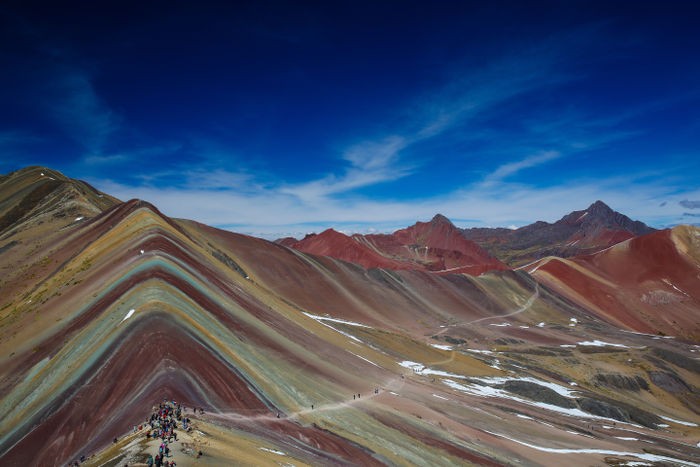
(163, 423)
(168, 416)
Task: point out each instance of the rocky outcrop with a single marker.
(603, 408)
(538, 393)
(617, 381)
(618, 411)
(679, 360)
(669, 382)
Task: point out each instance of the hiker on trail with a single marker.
(353, 397)
(149, 462)
(312, 406)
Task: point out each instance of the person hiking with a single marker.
(149, 462)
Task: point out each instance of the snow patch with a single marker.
(79, 218)
(273, 451)
(440, 397)
(128, 315)
(441, 346)
(321, 319)
(597, 343)
(363, 358)
(668, 282)
(680, 422)
(645, 456)
(334, 320)
(561, 390)
(422, 370)
(502, 325)
(488, 391)
(541, 325)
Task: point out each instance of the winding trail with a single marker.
(525, 307)
(390, 386)
(528, 304)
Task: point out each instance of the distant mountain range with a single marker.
(438, 246)
(580, 232)
(108, 308)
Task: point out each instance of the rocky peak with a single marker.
(439, 219)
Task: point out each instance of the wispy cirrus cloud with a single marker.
(74, 105)
(370, 162)
(58, 86)
(688, 204)
(512, 168)
(269, 212)
(454, 103)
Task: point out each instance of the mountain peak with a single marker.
(440, 219)
(600, 207)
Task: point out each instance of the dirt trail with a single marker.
(525, 307)
(528, 304)
(390, 386)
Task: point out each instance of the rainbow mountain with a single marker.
(109, 307)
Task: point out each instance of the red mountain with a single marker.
(436, 246)
(648, 283)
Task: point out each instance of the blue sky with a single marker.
(282, 118)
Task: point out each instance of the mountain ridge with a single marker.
(436, 246)
(577, 233)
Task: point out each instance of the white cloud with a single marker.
(512, 168)
(272, 212)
